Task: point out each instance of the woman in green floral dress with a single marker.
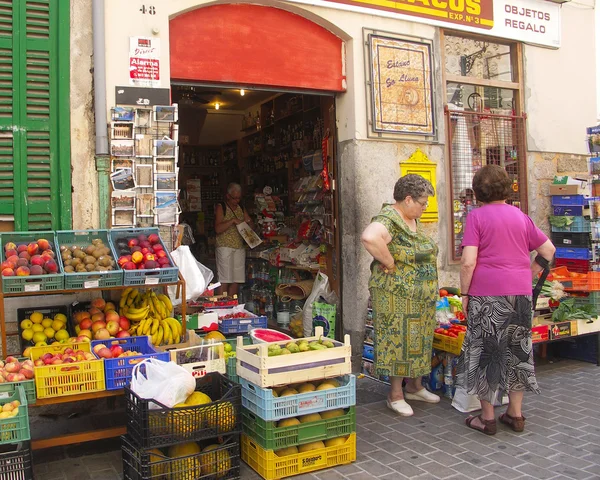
(404, 289)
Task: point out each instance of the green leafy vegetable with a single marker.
(567, 310)
(560, 222)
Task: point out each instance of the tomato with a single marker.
(443, 293)
(460, 316)
(440, 330)
(452, 335)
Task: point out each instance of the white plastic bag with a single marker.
(464, 402)
(320, 289)
(197, 277)
(165, 382)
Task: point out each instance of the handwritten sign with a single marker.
(402, 93)
(144, 63)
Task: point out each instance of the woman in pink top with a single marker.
(496, 278)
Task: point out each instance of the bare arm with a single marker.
(375, 239)
(468, 261)
(546, 250)
(248, 218)
(220, 223)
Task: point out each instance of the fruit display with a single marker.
(40, 329)
(114, 351)
(296, 326)
(25, 259)
(100, 321)
(10, 409)
(142, 252)
(12, 370)
(65, 357)
(95, 257)
(237, 315)
(150, 314)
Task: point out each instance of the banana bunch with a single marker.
(149, 314)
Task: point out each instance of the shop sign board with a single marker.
(402, 86)
(144, 61)
(532, 21)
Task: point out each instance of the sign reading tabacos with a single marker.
(474, 13)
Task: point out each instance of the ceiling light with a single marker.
(217, 105)
(242, 92)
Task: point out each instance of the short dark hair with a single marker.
(491, 183)
(412, 185)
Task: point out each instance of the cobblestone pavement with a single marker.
(561, 441)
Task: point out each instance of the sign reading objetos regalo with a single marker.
(144, 63)
(401, 86)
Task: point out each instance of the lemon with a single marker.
(37, 328)
(39, 337)
(36, 317)
(47, 322)
(27, 334)
(61, 335)
(49, 332)
(61, 317)
(57, 325)
(26, 324)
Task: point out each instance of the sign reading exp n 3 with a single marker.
(474, 13)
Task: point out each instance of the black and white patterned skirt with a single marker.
(497, 354)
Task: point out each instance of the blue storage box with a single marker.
(569, 200)
(230, 326)
(579, 225)
(570, 210)
(368, 352)
(574, 253)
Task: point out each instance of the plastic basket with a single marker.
(232, 326)
(576, 240)
(569, 200)
(579, 266)
(232, 369)
(262, 403)
(113, 278)
(271, 437)
(573, 253)
(23, 313)
(15, 429)
(16, 462)
(163, 426)
(588, 283)
(32, 283)
(448, 344)
(270, 466)
(198, 359)
(222, 463)
(570, 210)
(28, 386)
(67, 379)
(117, 371)
(143, 277)
(579, 225)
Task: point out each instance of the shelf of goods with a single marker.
(86, 378)
(298, 407)
(196, 439)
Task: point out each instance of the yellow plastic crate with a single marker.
(271, 467)
(448, 344)
(68, 378)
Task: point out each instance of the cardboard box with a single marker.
(568, 190)
(540, 333)
(563, 329)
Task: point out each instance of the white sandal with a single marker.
(400, 407)
(422, 395)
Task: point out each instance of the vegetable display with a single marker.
(568, 310)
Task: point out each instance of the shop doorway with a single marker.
(258, 110)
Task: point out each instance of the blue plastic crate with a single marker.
(261, 401)
(579, 225)
(241, 325)
(574, 253)
(143, 277)
(117, 371)
(564, 200)
(368, 352)
(570, 210)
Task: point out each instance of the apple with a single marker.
(8, 272)
(109, 306)
(157, 247)
(97, 347)
(84, 338)
(104, 353)
(102, 334)
(153, 238)
(123, 334)
(32, 248)
(56, 361)
(112, 316)
(145, 252)
(98, 303)
(68, 351)
(94, 310)
(165, 265)
(133, 242)
(129, 266)
(85, 324)
(12, 359)
(116, 350)
(124, 323)
(98, 325)
(98, 317)
(43, 244)
(39, 363)
(27, 373)
(123, 259)
(142, 238)
(113, 327)
(85, 333)
(137, 248)
(51, 266)
(163, 260)
(151, 265)
(89, 356)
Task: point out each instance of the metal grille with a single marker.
(476, 139)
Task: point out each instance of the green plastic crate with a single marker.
(32, 283)
(15, 429)
(28, 386)
(83, 238)
(270, 437)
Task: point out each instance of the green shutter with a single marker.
(32, 112)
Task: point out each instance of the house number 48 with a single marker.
(150, 10)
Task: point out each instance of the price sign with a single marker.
(91, 284)
(151, 281)
(34, 287)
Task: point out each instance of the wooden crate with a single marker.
(254, 364)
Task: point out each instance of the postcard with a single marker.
(123, 114)
(123, 179)
(122, 148)
(165, 113)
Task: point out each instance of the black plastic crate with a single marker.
(163, 426)
(222, 463)
(584, 348)
(23, 313)
(577, 240)
(16, 462)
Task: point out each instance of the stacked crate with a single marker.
(15, 445)
(191, 441)
(298, 410)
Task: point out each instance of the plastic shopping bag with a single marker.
(165, 382)
(320, 289)
(197, 277)
(464, 402)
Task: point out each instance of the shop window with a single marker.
(484, 122)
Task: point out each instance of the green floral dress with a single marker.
(404, 303)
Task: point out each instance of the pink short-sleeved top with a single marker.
(504, 236)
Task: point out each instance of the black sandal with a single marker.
(489, 426)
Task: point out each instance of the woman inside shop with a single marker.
(404, 289)
(496, 281)
(230, 246)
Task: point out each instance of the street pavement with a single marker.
(561, 439)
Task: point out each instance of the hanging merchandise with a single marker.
(325, 172)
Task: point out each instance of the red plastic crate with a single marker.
(580, 266)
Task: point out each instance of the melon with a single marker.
(307, 447)
(185, 467)
(198, 398)
(335, 442)
(266, 335)
(288, 422)
(226, 417)
(284, 452)
(288, 391)
(338, 412)
(306, 387)
(157, 456)
(215, 335)
(215, 460)
(311, 417)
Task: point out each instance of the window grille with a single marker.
(476, 139)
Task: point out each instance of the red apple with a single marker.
(43, 244)
(124, 323)
(145, 251)
(97, 348)
(86, 324)
(23, 272)
(145, 244)
(33, 248)
(153, 238)
(39, 363)
(113, 327)
(56, 361)
(123, 260)
(142, 238)
(111, 315)
(98, 325)
(163, 261)
(157, 247)
(129, 266)
(99, 303)
(151, 265)
(84, 338)
(137, 248)
(51, 266)
(116, 350)
(133, 242)
(8, 272)
(166, 265)
(123, 334)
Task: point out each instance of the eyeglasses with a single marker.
(424, 204)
